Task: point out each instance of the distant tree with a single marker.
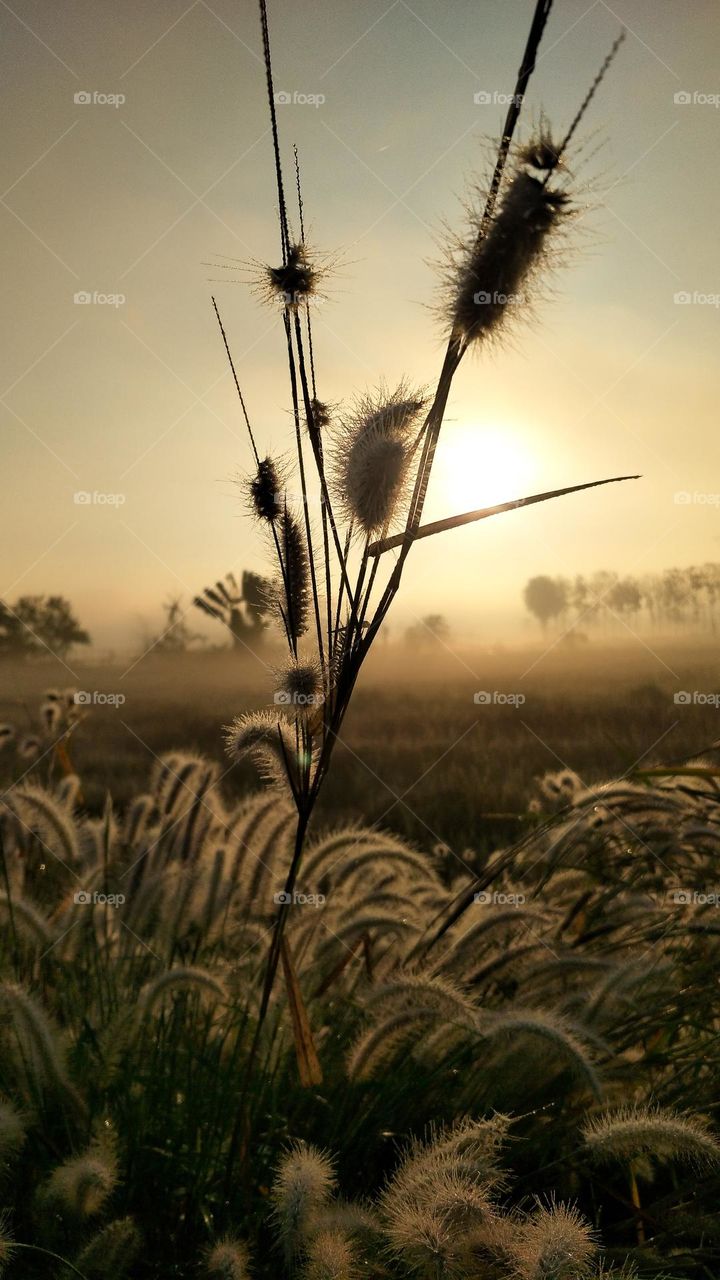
(243, 607)
(546, 598)
(431, 628)
(38, 624)
(175, 636)
(625, 597)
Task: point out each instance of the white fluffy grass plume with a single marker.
(373, 454)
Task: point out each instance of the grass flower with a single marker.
(556, 1243)
(661, 1134)
(227, 1260)
(111, 1253)
(82, 1186)
(373, 454)
(491, 273)
(304, 1182)
(266, 491)
(299, 687)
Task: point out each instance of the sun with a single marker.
(479, 466)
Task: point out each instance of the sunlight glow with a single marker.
(478, 466)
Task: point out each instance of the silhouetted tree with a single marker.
(432, 627)
(546, 598)
(38, 624)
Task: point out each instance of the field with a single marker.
(417, 755)
(517, 988)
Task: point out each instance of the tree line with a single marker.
(674, 599)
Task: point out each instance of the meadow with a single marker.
(349, 957)
(492, 1052)
(416, 753)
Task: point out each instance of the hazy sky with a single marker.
(135, 399)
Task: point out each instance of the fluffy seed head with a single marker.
(321, 414)
(303, 1184)
(29, 748)
(662, 1134)
(226, 1260)
(7, 735)
(112, 1251)
(81, 1186)
(296, 281)
(265, 489)
(299, 687)
(373, 456)
(488, 273)
(51, 714)
(557, 1244)
(291, 596)
(268, 740)
(329, 1257)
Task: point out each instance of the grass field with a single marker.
(417, 755)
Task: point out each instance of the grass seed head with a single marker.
(265, 490)
(373, 455)
(489, 272)
(227, 1260)
(659, 1133)
(303, 1184)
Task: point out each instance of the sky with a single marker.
(137, 152)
